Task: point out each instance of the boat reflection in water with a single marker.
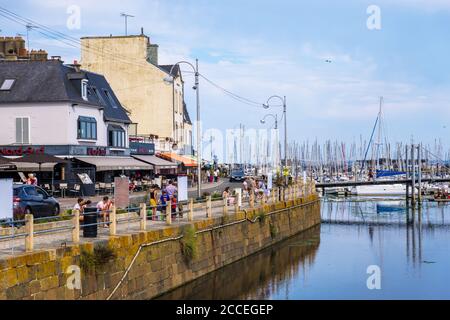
(259, 276)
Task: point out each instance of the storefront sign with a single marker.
(96, 152)
(21, 151)
(147, 149)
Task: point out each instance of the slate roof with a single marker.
(175, 72)
(186, 116)
(52, 81)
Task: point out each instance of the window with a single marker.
(7, 84)
(84, 89)
(23, 130)
(110, 99)
(116, 137)
(99, 97)
(87, 128)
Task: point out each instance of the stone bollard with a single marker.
(169, 213)
(252, 199)
(29, 230)
(209, 207)
(76, 226)
(113, 221)
(225, 206)
(238, 202)
(191, 210)
(143, 215)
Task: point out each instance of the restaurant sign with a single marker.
(21, 151)
(145, 149)
(96, 152)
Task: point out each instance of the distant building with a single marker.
(130, 63)
(13, 48)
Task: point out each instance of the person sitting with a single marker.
(103, 207)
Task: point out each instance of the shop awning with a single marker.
(34, 167)
(157, 162)
(188, 162)
(115, 163)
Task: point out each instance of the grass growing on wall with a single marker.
(91, 262)
(189, 243)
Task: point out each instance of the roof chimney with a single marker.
(76, 66)
(142, 31)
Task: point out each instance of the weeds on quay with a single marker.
(91, 262)
(189, 243)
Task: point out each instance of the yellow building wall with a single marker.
(138, 84)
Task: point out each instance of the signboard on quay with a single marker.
(6, 199)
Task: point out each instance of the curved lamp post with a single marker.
(263, 121)
(267, 106)
(171, 79)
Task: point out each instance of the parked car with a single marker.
(33, 200)
(237, 175)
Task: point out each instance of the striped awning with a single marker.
(188, 162)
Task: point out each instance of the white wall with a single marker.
(50, 123)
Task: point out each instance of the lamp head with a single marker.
(266, 106)
(169, 80)
(263, 121)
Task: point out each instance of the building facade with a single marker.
(52, 108)
(156, 106)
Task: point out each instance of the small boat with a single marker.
(380, 190)
(390, 206)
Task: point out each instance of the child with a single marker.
(174, 206)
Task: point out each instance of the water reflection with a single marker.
(259, 276)
(411, 246)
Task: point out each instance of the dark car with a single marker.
(33, 200)
(237, 175)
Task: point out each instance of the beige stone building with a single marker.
(130, 63)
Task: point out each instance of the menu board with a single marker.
(6, 198)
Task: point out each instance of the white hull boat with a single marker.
(380, 190)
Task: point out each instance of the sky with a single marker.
(259, 48)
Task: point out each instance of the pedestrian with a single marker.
(171, 189)
(174, 204)
(32, 180)
(216, 176)
(103, 208)
(208, 175)
(163, 202)
(153, 204)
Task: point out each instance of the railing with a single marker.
(147, 215)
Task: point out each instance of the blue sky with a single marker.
(260, 48)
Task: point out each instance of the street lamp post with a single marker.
(199, 145)
(267, 106)
(263, 121)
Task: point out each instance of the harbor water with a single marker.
(408, 249)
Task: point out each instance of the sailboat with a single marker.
(380, 190)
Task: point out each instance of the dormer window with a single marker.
(110, 99)
(84, 89)
(7, 84)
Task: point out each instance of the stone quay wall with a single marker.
(148, 264)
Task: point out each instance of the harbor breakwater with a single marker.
(147, 264)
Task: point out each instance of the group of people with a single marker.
(256, 187)
(213, 175)
(160, 198)
(103, 208)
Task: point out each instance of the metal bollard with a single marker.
(143, 214)
(29, 230)
(76, 226)
(169, 213)
(113, 221)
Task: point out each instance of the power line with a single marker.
(76, 43)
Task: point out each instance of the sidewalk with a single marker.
(69, 203)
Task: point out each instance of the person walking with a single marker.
(216, 176)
